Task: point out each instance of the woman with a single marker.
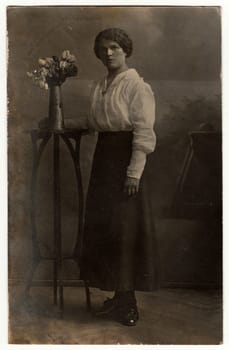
(119, 248)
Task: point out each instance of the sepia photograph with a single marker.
(114, 134)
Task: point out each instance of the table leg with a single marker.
(44, 136)
(37, 153)
(57, 283)
(75, 153)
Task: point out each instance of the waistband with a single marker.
(116, 138)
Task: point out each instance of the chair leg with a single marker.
(88, 296)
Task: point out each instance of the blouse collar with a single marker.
(130, 73)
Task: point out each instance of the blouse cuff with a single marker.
(137, 164)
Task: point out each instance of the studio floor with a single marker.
(168, 316)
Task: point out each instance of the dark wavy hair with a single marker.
(114, 34)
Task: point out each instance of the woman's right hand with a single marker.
(131, 186)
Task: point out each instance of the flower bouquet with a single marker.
(50, 75)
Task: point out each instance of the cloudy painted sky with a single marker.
(170, 43)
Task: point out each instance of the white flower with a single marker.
(65, 54)
(44, 71)
(63, 64)
(71, 58)
(42, 62)
(49, 60)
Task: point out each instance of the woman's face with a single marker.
(111, 54)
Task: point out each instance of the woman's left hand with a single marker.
(131, 186)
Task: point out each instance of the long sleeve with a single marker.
(142, 114)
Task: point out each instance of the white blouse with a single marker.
(127, 104)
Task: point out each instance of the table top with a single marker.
(64, 131)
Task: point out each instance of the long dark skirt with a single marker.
(119, 245)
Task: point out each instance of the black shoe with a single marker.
(129, 316)
(109, 308)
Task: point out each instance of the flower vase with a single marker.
(56, 114)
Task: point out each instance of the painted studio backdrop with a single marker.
(177, 51)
